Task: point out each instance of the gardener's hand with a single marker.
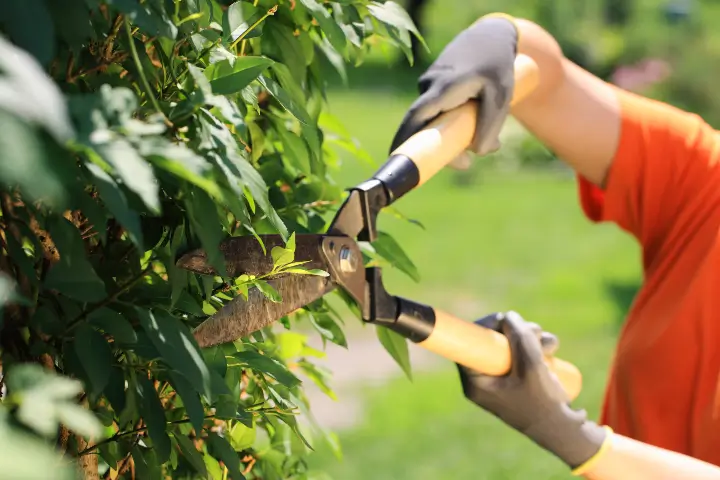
(477, 64)
(529, 398)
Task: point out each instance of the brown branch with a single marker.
(110, 42)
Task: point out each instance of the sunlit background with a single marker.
(507, 234)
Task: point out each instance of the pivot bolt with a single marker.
(348, 261)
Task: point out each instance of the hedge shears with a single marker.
(337, 252)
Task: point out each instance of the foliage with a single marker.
(134, 130)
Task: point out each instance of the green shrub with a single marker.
(132, 130)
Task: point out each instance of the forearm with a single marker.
(573, 112)
(627, 459)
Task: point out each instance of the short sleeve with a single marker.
(664, 171)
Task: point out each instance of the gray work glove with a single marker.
(529, 398)
(477, 64)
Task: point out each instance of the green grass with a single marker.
(505, 241)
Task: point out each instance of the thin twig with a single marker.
(127, 286)
(253, 26)
(130, 432)
(141, 73)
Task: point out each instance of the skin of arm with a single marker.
(628, 459)
(577, 115)
(573, 112)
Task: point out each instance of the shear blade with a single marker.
(240, 317)
(245, 255)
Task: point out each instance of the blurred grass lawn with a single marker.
(506, 241)
(510, 241)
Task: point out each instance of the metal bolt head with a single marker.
(348, 260)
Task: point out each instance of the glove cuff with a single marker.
(507, 17)
(572, 438)
(590, 463)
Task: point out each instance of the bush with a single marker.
(131, 131)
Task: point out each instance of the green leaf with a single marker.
(27, 92)
(269, 366)
(312, 271)
(21, 259)
(394, 15)
(135, 172)
(177, 346)
(73, 275)
(47, 399)
(268, 290)
(154, 416)
(390, 250)
(215, 359)
(221, 449)
(281, 256)
(115, 389)
(94, 352)
(25, 456)
(29, 25)
(327, 23)
(396, 346)
(282, 96)
(181, 162)
(242, 436)
(319, 376)
(146, 463)
(290, 344)
(204, 218)
(281, 45)
(227, 79)
(72, 21)
(190, 399)
(238, 18)
(22, 142)
(188, 450)
(77, 419)
(150, 16)
(115, 200)
(295, 150)
(45, 320)
(327, 328)
(114, 324)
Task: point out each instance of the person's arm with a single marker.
(628, 459)
(573, 112)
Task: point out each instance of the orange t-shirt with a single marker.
(663, 188)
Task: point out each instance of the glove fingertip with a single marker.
(491, 321)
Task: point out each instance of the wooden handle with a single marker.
(451, 133)
(488, 351)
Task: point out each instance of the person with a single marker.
(654, 171)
